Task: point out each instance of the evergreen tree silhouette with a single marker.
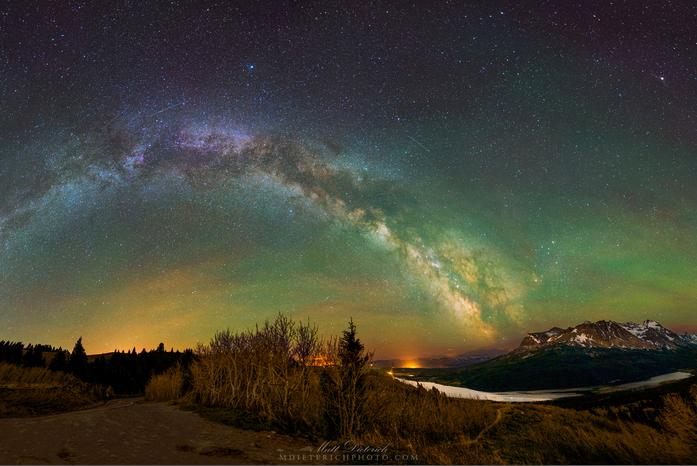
(351, 349)
(78, 359)
(345, 387)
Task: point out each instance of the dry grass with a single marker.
(12, 376)
(546, 434)
(33, 391)
(165, 387)
(259, 376)
(395, 407)
(436, 428)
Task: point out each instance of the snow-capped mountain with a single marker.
(589, 354)
(649, 335)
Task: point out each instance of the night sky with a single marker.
(450, 175)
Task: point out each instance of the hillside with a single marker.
(35, 390)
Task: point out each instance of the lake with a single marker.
(545, 395)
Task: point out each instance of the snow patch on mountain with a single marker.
(648, 335)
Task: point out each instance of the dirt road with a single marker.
(136, 432)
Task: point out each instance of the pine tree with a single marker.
(346, 386)
(78, 359)
(351, 352)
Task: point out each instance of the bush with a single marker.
(165, 387)
(267, 372)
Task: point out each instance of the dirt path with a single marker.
(136, 432)
(499, 417)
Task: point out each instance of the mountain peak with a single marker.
(607, 334)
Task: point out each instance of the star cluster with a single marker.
(448, 175)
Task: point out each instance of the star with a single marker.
(462, 174)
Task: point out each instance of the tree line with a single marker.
(126, 372)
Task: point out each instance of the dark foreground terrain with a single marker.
(136, 432)
(242, 386)
(655, 428)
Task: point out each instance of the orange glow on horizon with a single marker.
(411, 364)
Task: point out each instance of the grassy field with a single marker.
(652, 426)
(36, 391)
(655, 426)
(256, 380)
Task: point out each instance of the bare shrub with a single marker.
(266, 371)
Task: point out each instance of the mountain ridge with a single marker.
(648, 335)
(588, 354)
